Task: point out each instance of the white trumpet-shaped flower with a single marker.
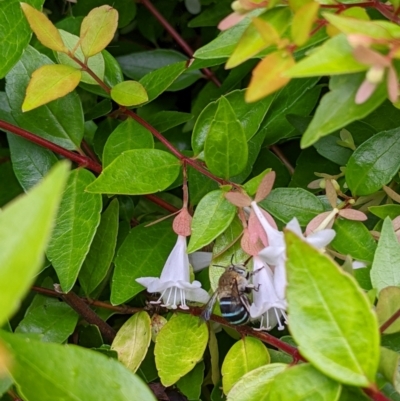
(174, 283)
(266, 306)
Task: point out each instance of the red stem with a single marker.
(390, 321)
(374, 393)
(82, 161)
(175, 35)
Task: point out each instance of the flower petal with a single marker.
(200, 260)
(177, 265)
(197, 295)
(294, 226)
(321, 239)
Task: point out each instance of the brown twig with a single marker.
(282, 158)
(78, 305)
(178, 38)
(390, 321)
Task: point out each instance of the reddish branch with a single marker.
(390, 321)
(178, 39)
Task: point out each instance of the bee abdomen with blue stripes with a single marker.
(233, 312)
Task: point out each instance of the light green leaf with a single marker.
(338, 109)
(15, 32)
(137, 172)
(180, 345)
(29, 217)
(142, 254)
(212, 217)
(244, 356)
(127, 136)
(98, 29)
(60, 121)
(75, 373)
(388, 305)
(385, 271)
(225, 148)
(335, 56)
(286, 203)
(327, 302)
(158, 81)
(383, 211)
(353, 238)
(76, 224)
(389, 367)
(95, 63)
(101, 253)
(374, 163)
(132, 340)
(255, 384)
(224, 44)
(129, 93)
(303, 383)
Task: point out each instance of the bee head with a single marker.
(239, 269)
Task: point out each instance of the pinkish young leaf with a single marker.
(367, 56)
(248, 246)
(331, 193)
(256, 232)
(396, 223)
(230, 21)
(316, 222)
(392, 85)
(392, 194)
(238, 199)
(351, 214)
(364, 92)
(265, 186)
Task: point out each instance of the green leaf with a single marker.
(158, 81)
(327, 302)
(212, 217)
(29, 217)
(15, 32)
(179, 346)
(249, 115)
(190, 384)
(298, 97)
(132, 340)
(98, 29)
(127, 136)
(252, 42)
(353, 238)
(76, 224)
(287, 203)
(60, 121)
(255, 384)
(53, 320)
(224, 44)
(225, 148)
(338, 109)
(335, 56)
(388, 305)
(101, 253)
(30, 162)
(374, 163)
(75, 373)
(383, 211)
(48, 83)
(244, 356)
(388, 367)
(165, 120)
(384, 271)
(129, 93)
(328, 147)
(95, 63)
(149, 171)
(142, 254)
(303, 383)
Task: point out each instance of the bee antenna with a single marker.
(232, 258)
(247, 260)
(219, 266)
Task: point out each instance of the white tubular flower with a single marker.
(266, 304)
(174, 284)
(200, 260)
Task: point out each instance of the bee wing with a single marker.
(245, 301)
(206, 314)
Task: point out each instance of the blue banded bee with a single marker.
(231, 293)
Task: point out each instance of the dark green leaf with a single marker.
(101, 253)
(353, 238)
(142, 254)
(190, 384)
(286, 203)
(383, 211)
(165, 120)
(374, 163)
(76, 224)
